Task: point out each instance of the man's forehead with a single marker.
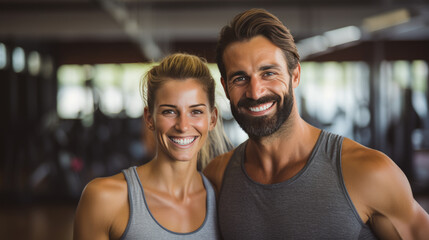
(254, 63)
(253, 54)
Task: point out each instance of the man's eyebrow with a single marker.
(237, 73)
(267, 67)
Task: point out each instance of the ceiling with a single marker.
(157, 27)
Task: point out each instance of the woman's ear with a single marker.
(148, 119)
(213, 118)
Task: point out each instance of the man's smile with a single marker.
(261, 107)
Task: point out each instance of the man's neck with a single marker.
(279, 157)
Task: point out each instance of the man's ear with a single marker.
(296, 76)
(224, 87)
(148, 119)
(213, 118)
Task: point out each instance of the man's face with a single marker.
(258, 85)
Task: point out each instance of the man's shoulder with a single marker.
(381, 191)
(221, 159)
(216, 168)
(370, 174)
(368, 159)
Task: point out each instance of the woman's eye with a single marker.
(197, 112)
(167, 112)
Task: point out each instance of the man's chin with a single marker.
(257, 127)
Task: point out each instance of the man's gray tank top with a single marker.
(142, 224)
(314, 204)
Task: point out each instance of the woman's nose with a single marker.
(182, 123)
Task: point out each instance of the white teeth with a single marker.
(261, 108)
(183, 141)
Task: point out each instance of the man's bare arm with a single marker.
(382, 193)
(216, 168)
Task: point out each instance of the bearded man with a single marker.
(291, 180)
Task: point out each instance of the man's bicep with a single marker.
(420, 225)
(384, 228)
(398, 205)
(413, 224)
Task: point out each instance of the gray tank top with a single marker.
(314, 204)
(142, 225)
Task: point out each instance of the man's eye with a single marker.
(239, 79)
(268, 74)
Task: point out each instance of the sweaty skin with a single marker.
(377, 187)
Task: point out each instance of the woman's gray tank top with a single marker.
(314, 204)
(142, 224)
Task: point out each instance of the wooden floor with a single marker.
(37, 222)
(54, 221)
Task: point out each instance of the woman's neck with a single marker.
(176, 178)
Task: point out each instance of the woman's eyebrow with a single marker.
(198, 105)
(167, 105)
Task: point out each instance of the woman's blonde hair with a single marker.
(181, 66)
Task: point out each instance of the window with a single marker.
(18, 60)
(3, 56)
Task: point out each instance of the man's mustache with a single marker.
(248, 102)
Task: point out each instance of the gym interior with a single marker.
(70, 73)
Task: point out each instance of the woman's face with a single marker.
(181, 119)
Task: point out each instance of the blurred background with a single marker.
(70, 73)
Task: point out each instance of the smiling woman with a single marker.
(181, 126)
(176, 70)
(167, 198)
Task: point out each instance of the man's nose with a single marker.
(182, 123)
(255, 89)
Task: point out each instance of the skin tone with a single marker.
(174, 190)
(377, 187)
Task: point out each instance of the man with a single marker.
(291, 180)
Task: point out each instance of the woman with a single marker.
(166, 198)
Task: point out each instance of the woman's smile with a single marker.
(183, 142)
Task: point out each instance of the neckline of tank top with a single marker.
(289, 181)
(159, 224)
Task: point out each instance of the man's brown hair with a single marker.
(252, 23)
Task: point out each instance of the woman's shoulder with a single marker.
(103, 201)
(107, 185)
(106, 190)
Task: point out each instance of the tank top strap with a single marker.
(143, 225)
(234, 162)
(135, 196)
(132, 181)
(330, 144)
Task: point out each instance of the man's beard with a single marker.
(258, 127)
